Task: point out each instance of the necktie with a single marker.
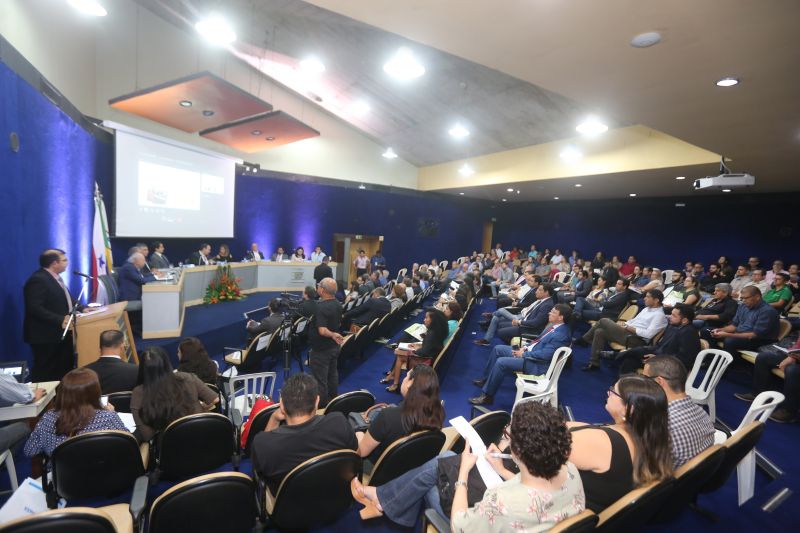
(66, 292)
(544, 334)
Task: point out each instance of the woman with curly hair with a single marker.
(546, 490)
(194, 359)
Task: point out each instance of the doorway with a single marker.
(345, 250)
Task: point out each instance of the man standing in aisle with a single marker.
(324, 339)
(48, 305)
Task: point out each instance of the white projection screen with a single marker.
(165, 190)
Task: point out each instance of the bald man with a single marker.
(324, 339)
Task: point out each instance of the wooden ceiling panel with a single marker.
(214, 101)
(262, 132)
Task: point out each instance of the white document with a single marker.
(263, 342)
(27, 500)
(417, 330)
(454, 285)
(127, 419)
(406, 346)
(488, 474)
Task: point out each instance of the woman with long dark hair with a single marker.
(194, 359)
(432, 343)
(635, 450)
(420, 409)
(224, 255)
(164, 396)
(77, 409)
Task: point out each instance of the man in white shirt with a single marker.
(12, 392)
(317, 255)
(756, 280)
(740, 280)
(254, 254)
(635, 332)
(777, 268)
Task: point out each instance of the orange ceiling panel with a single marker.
(214, 101)
(263, 132)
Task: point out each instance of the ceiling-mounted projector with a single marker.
(725, 181)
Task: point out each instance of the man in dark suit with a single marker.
(613, 305)
(115, 374)
(200, 257)
(131, 279)
(253, 254)
(270, 323)
(535, 312)
(323, 270)
(680, 339)
(308, 306)
(364, 314)
(48, 304)
(157, 259)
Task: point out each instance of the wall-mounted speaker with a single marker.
(13, 141)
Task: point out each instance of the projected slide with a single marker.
(167, 191)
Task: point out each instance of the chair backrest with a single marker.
(195, 444)
(121, 401)
(68, 520)
(401, 273)
(300, 325)
(112, 288)
(351, 402)
(784, 328)
(252, 349)
(721, 360)
(96, 464)
(737, 446)
(224, 501)
(688, 480)
(243, 390)
(634, 509)
(317, 491)
(404, 454)
(761, 409)
(561, 276)
(666, 276)
(257, 425)
(580, 523)
(557, 363)
(628, 313)
(443, 264)
(489, 426)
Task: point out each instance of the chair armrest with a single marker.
(139, 500)
(439, 523)
(512, 308)
(479, 409)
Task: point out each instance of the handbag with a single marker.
(362, 421)
(262, 402)
(448, 469)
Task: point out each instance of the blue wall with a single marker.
(658, 232)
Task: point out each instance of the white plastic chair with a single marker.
(8, 458)
(666, 276)
(703, 394)
(242, 398)
(545, 389)
(761, 409)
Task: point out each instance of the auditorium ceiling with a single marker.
(521, 74)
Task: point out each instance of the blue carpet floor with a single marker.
(583, 392)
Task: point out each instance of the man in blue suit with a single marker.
(506, 324)
(505, 360)
(131, 279)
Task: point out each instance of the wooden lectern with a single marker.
(92, 323)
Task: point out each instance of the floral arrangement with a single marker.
(224, 287)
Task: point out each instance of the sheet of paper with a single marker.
(489, 476)
(127, 419)
(416, 330)
(405, 346)
(263, 342)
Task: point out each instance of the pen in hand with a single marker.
(501, 455)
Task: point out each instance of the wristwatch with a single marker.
(460, 483)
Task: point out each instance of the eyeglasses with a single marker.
(615, 393)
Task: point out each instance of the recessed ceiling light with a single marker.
(461, 194)
(643, 40)
(362, 186)
(555, 197)
(404, 66)
(591, 127)
(215, 29)
(89, 7)
(505, 200)
(680, 178)
(728, 82)
(517, 191)
(389, 154)
(726, 190)
(185, 103)
(458, 131)
(510, 189)
(632, 195)
(312, 65)
(208, 113)
(578, 185)
(466, 170)
(256, 132)
(570, 154)
(680, 205)
(270, 138)
(360, 108)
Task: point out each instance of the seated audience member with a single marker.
(794, 285)
(740, 279)
(308, 305)
(280, 255)
(363, 315)
(323, 270)
(268, 324)
(593, 300)
(420, 409)
(296, 433)
(713, 277)
(465, 292)
(503, 280)
(769, 358)
(691, 430)
(557, 257)
(542, 268)
(677, 280)
(398, 297)
(164, 396)
(13, 434)
(777, 268)
(76, 410)
(581, 288)
(420, 353)
(143, 249)
(611, 307)
(200, 257)
(299, 255)
(533, 316)
(339, 292)
(365, 285)
(780, 294)
(725, 269)
(756, 280)
(698, 272)
(353, 291)
(627, 269)
(317, 255)
(656, 282)
(224, 255)
(640, 276)
(616, 263)
(453, 313)
(157, 259)
(680, 339)
(383, 277)
(131, 279)
(506, 360)
(688, 294)
(539, 442)
(253, 254)
(635, 332)
(755, 324)
(633, 451)
(719, 311)
(193, 359)
(688, 269)
(115, 375)
(612, 274)
(754, 263)
(409, 289)
(517, 292)
(375, 278)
